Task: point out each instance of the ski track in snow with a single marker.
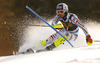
(81, 53)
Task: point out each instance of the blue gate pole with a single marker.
(48, 24)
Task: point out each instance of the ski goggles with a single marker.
(60, 11)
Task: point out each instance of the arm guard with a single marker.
(75, 20)
(58, 26)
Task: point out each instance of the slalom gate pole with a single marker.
(48, 24)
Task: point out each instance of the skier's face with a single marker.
(60, 13)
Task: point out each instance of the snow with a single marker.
(60, 56)
(81, 53)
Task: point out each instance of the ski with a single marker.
(28, 51)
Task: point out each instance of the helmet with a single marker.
(62, 6)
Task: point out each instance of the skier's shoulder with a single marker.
(56, 16)
(72, 15)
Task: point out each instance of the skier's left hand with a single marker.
(89, 40)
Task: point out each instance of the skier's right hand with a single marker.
(89, 40)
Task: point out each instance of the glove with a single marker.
(89, 40)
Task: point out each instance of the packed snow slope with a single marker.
(90, 54)
(81, 53)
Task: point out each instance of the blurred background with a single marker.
(14, 17)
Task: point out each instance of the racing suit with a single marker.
(70, 29)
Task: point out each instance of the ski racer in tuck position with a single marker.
(69, 28)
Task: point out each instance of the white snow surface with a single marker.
(90, 54)
(80, 53)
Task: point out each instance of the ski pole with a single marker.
(96, 40)
(48, 24)
(40, 25)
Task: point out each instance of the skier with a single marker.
(69, 29)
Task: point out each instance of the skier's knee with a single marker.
(59, 41)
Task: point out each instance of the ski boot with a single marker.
(50, 47)
(56, 43)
